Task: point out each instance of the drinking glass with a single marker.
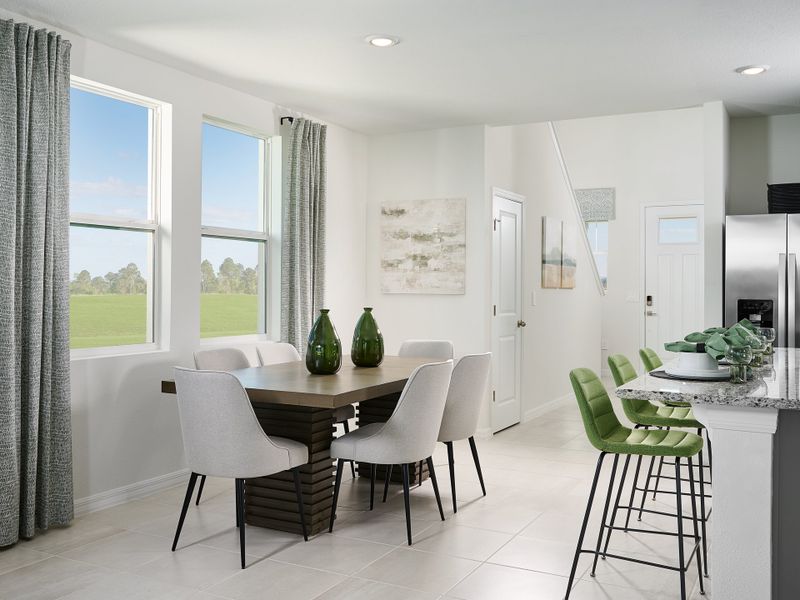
(739, 357)
(768, 335)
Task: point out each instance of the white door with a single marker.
(507, 320)
(673, 274)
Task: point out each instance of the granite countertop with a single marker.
(773, 386)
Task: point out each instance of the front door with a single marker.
(673, 276)
(507, 320)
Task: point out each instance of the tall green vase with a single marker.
(324, 350)
(367, 350)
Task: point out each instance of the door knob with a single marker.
(521, 323)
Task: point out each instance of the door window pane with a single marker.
(677, 230)
(231, 289)
(232, 179)
(111, 275)
(109, 156)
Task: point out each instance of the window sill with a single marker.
(82, 354)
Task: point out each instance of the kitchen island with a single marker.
(755, 431)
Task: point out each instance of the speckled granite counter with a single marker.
(772, 386)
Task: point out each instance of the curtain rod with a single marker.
(290, 119)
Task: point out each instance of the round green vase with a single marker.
(367, 349)
(324, 350)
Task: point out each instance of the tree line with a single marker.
(230, 278)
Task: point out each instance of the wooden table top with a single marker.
(292, 384)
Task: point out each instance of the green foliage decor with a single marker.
(716, 340)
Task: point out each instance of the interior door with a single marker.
(507, 323)
(673, 274)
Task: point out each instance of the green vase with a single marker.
(367, 350)
(324, 350)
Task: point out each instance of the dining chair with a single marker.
(407, 437)
(273, 353)
(223, 438)
(218, 359)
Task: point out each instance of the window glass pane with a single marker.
(110, 278)
(597, 232)
(679, 230)
(230, 279)
(232, 179)
(109, 146)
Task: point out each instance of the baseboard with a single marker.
(547, 407)
(126, 493)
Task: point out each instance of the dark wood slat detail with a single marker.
(378, 410)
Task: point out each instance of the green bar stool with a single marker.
(609, 436)
(645, 414)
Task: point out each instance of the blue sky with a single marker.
(108, 176)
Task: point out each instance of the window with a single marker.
(597, 232)
(114, 169)
(677, 230)
(234, 232)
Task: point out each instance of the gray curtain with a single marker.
(303, 248)
(35, 432)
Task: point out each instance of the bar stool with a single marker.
(644, 414)
(609, 436)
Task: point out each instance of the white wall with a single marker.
(652, 158)
(762, 150)
(716, 160)
(124, 430)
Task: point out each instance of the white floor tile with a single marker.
(363, 589)
(333, 553)
(461, 541)
(269, 579)
(493, 582)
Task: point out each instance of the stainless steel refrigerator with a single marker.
(761, 262)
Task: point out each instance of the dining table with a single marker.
(292, 403)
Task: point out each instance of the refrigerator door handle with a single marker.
(791, 293)
(781, 320)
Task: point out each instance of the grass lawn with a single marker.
(117, 320)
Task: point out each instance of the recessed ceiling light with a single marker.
(753, 69)
(381, 40)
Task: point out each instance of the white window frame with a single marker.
(595, 252)
(269, 156)
(158, 114)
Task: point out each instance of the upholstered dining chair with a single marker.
(407, 437)
(223, 438)
(218, 359)
(273, 353)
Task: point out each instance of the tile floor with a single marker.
(517, 542)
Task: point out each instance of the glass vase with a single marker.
(367, 348)
(324, 350)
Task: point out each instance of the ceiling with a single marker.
(461, 61)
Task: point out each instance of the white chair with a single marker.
(273, 353)
(218, 359)
(465, 397)
(408, 436)
(438, 349)
(223, 438)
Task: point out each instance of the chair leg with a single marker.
(633, 491)
(452, 463)
(336, 487)
(695, 527)
(186, 500)
(346, 426)
(477, 461)
(646, 484)
(386, 481)
(616, 502)
(240, 485)
(420, 474)
(435, 486)
(605, 513)
(372, 473)
(238, 516)
(658, 476)
(703, 512)
(679, 505)
(585, 523)
(407, 502)
(300, 508)
(200, 490)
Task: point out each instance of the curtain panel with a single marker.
(303, 247)
(35, 431)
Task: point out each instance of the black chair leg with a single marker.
(679, 506)
(646, 484)
(298, 490)
(238, 516)
(605, 513)
(584, 524)
(696, 529)
(240, 485)
(703, 512)
(633, 490)
(186, 500)
(407, 502)
(386, 481)
(372, 468)
(477, 461)
(435, 483)
(658, 477)
(200, 490)
(346, 426)
(452, 463)
(336, 487)
(420, 474)
(616, 503)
